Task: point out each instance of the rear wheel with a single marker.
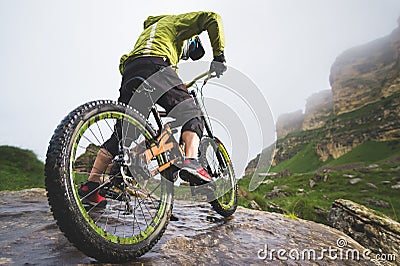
(215, 159)
(138, 206)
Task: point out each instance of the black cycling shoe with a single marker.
(192, 171)
(89, 193)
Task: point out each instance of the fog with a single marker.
(56, 55)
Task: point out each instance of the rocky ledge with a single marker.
(29, 235)
(374, 231)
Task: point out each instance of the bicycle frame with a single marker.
(165, 141)
(196, 100)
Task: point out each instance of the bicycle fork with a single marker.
(207, 126)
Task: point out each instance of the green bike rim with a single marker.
(231, 197)
(151, 227)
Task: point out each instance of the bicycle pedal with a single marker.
(175, 176)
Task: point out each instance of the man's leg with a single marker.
(191, 133)
(89, 191)
(103, 159)
(107, 152)
(192, 141)
(178, 103)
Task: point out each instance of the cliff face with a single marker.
(319, 107)
(367, 73)
(379, 121)
(363, 105)
(289, 123)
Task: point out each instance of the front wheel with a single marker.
(136, 214)
(215, 159)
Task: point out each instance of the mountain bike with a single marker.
(139, 184)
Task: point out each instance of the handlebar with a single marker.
(207, 73)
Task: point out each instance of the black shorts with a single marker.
(169, 92)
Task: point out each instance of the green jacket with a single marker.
(165, 35)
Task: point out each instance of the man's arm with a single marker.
(194, 23)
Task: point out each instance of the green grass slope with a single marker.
(370, 152)
(20, 169)
(312, 202)
(306, 160)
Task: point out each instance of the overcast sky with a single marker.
(56, 55)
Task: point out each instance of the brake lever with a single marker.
(209, 76)
(213, 75)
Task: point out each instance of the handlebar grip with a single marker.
(207, 73)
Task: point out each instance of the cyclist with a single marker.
(165, 40)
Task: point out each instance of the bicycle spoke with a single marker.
(140, 205)
(134, 217)
(113, 131)
(86, 149)
(151, 192)
(98, 127)
(90, 141)
(95, 136)
(107, 218)
(115, 227)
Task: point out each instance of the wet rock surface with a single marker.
(29, 235)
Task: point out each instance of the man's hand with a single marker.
(218, 65)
